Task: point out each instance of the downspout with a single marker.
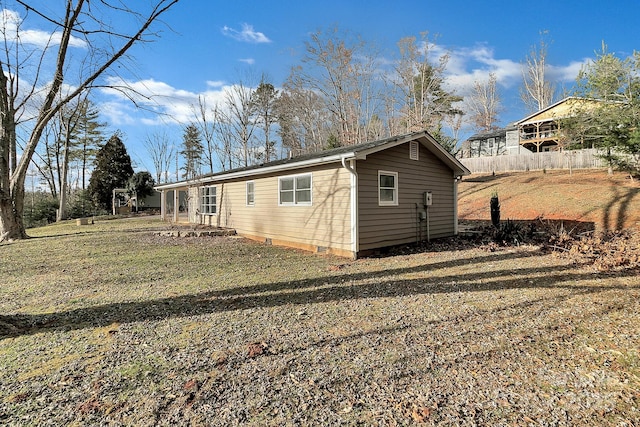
(355, 244)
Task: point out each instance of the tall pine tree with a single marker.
(113, 169)
(264, 100)
(191, 152)
(89, 137)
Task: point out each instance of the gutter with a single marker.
(355, 243)
(256, 171)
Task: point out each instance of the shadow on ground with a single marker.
(330, 288)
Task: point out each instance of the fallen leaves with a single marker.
(449, 333)
(256, 349)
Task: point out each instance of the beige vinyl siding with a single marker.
(323, 225)
(381, 226)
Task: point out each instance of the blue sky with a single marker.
(206, 45)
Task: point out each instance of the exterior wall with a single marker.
(495, 143)
(565, 108)
(381, 226)
(513, 141)
(324, 226)
(560, 110)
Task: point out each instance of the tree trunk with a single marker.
(13, 171)
(11, 224)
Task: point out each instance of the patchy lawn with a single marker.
(590, 196)
(109, 324)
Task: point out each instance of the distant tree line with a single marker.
(339, 96)
(340, 93)
(610, 122)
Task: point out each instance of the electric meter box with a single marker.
(428, 198)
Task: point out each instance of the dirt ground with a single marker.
(606, 202)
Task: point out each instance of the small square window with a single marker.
(387, 188)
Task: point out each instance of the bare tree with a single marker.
(304, 123)
(339, 69)
(484, 104)
(422, 100)
(80, 23)
(454, 123)
(203, 121)
(161, 151)
(537, 92)
(238, 124)
(69, 119)
(225, 139)
(264, 100)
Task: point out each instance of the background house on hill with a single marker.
(494, 143)
(542, 131)
(538, 132)
(347, 201)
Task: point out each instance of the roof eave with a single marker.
(258, 171)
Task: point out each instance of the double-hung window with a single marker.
(251, 195)
(208, 200)
(387, 188)
(295, 190)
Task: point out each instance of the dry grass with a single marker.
(591, 196)
(108, 324)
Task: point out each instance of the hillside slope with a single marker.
(609, 202)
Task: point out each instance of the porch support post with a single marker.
(176, 204)
(163, 205)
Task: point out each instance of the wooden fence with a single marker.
(570, 159)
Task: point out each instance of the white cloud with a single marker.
(10, 22)
(215, 83)
(168, 103)
(469, 65)
(158, 102)
(246, 34)
(567, 73)
(249, 61)
(117, 113)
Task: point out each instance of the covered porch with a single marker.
(174, 204)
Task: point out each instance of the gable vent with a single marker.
(413, 150)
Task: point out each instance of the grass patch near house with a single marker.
(110, 324)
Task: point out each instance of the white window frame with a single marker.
(208, 201)
(295, 190)
(393, 202)
(250, 197)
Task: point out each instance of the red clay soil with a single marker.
(607, 202)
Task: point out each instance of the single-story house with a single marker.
(346, 201)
